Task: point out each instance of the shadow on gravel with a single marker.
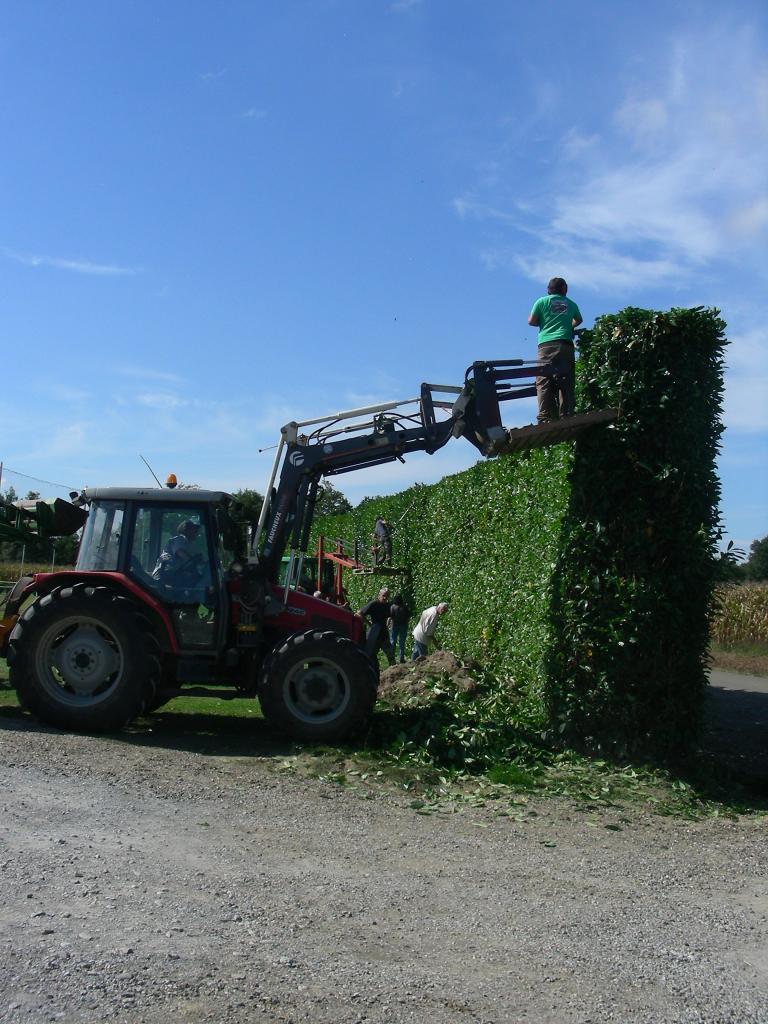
(732, 767)
(208, 735)
(735, 746)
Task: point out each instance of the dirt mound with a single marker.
(412, 678)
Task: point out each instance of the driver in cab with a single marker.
(176, 555)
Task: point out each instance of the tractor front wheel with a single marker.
(84, 658)
(318, 686)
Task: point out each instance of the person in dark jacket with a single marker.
(378, 635)
(399, 614)
(382, 542)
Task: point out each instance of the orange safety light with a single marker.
(171, 481)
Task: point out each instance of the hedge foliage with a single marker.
(633, 588)
(583, 574)
(486, 541)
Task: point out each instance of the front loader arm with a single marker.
(372, 436)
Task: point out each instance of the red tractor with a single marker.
(168, 598)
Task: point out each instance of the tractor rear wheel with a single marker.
(317, 686)
(84, 658)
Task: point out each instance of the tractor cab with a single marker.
(177, 546)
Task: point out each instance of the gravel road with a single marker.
(143, 883)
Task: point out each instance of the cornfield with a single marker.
(742, 614)
(10, 571)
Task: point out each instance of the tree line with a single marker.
(63, 550)
(753, 569)
(735, 565)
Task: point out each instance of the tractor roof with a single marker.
(192, 496)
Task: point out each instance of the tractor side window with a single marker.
(100, 546)
(230, 537)
(308, 570)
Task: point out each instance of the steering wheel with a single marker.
(189, 572)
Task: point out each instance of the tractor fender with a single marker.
(17, 595)
(44, 582)
(9, 610)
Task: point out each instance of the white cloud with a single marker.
(162, 400)
(756, 460)
(672, 185)
(746, 392)
(643, 120)
(752, 219)
(745, 406)
(596, 266)
(466, 207)
(56, 392)
(76, 266)
(208, 440)
(66, 440)
(147, 373)
(634, 205)
(577, 145)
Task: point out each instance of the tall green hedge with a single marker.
(635, 574)
(486, 541)
(583, 573)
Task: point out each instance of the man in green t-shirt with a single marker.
(556, 316)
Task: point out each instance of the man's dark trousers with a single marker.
(378, 638)
(555, 394)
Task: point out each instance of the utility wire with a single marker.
(39, 480)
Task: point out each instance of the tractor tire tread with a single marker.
(362, 678)
(141, 670)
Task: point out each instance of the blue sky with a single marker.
(215, 218)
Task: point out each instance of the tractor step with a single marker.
(168, 693)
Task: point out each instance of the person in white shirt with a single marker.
(425, 629)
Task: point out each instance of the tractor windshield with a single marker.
(100, 546)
